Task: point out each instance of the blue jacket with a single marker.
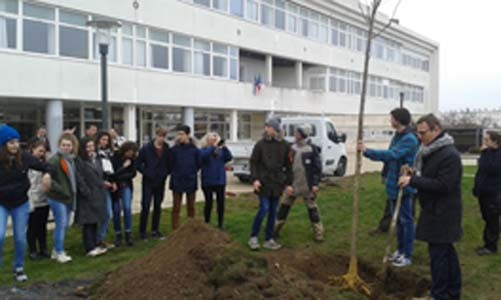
(185, 161)
(154, 169)
(488, 177)
(403, 149)
(213, 165)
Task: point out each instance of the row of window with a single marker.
(298, 20)
(52, 31)
(349, 82)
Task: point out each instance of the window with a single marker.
(112, 47)
(202, 58)
(304, 22)
(291, 18)
(73, 35)
(317, 83)
(127, 44)
(8, 24)
(233, 63)
(266, 14)
(252, 10)
(334, 33)
(280, 14)
(159, 49)
(212, 121)
(181, 53)
(244, 126)
(220, 5)
(8, 6)
(38, 29)
(219, 60)
(202, 2)
(237, 7)
(140, 46)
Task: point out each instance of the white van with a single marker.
(324, 135)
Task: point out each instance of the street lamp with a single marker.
(402, 94)
(103, 39)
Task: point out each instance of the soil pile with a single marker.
(200, 262)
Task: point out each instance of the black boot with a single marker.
(118, 240)
(128, 239)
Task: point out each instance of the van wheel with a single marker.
(341, 167)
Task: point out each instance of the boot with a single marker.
(278, 227)
(318, 232)
(118, 239)
(128, 239)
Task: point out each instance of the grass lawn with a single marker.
(481, 275)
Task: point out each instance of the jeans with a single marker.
(157, 193)
(266, 206)
(89, 236)
(20, 217)
(124, 202)
(209, 200)
(103, 227)
(445, 272)
(176, 208)
(490, 214)
(37, 229)
(405, 225)
(62, 214)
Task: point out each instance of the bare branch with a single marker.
(392, 19)
(364, 14)
(374, 36)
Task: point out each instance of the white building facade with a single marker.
(198, 62)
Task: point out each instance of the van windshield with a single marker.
(291, 130)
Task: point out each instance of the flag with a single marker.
(258, 85)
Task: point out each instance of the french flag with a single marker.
(258, 85)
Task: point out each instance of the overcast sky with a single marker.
(470, 47)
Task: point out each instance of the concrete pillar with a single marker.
(54, 122)
(189, 117)
(269, 70)
(299, 74)
(234, 125)
(130, 122)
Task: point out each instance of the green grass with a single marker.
(481, 275)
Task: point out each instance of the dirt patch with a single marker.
(200, 262)
(70, 289)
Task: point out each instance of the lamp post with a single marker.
(103, 39)
(402, 94)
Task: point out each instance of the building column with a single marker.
(189, 117)
(299, 74)
(130, 128)
(234, 125)
(54, 122)
(269, 70)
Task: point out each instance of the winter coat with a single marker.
(439, 193)
(213, 165)
(14, 181)
(270, 164)
(488, 177)
(154, 169)
(123, 176)
(402, 151)
(312, 164)
(60, 188)
(36, 194)
(185, 161)
(91, 199)
(106, 157)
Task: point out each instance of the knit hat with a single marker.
(274, 123)
(185, 128)
(8, 133)
(304, 130)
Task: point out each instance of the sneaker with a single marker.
(157, 235)
(253, 243)
(43, 254)
(143, 237)
(271, 245)
(106, 245)
(402, 261)
(94, 252)
(20, 276)
(394, 256)
(485, 251)
(34, 256)
(61, 257)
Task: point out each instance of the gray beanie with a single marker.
(274, 122)
(304, 130)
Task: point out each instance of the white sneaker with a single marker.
(96, 252)
(394, 256)
(101, 250)
(271, 245)
(253, 243)
(61, 257)
(20, 276)
(402, 261)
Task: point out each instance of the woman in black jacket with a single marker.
(125, 171)
(91, 199)
(488, 190)
(14, 186)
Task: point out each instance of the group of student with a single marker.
(92, 177)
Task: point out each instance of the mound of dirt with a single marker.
(200, 262)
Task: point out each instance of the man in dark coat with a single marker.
(437, 177)
(153, 163)
(271, 172)
(185, 163)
